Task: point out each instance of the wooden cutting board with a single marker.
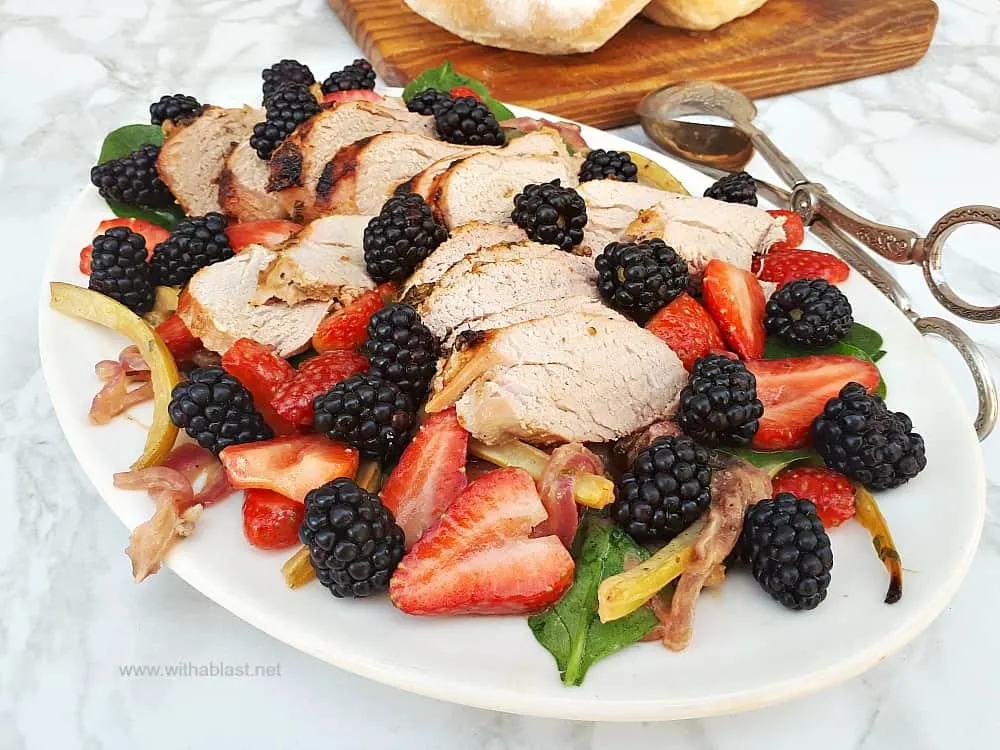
(786, 46)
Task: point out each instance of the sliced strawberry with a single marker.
(832, 493)
(351, 95)
(293, 399)
(179, 340)
(687, 328)
(736, 301)
(464, 91)
(782, 266)
(270, 520)
(290, 466)
(348, 328)
(152, 233)
(261, 370)
(269, 233)
(795, 231)
(480, 559)
(429, 476)
(795, 391)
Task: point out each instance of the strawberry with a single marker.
(290, 466)
(270, 520)
(736, 301)
(179, 340)
(336, 97)
(429, 476)
(832, 493)
(153, 234)
(348, 328)
(795, 391)
(795, 231)
(293, 399)
(687, 328)
(479, 558)
(783, 265)
(269, 233)
(464, 91)
(261, 370)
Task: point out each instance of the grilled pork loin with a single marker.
(243, 192)
(612, 206)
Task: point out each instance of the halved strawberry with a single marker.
(429, 476)
(270, 520)
(795, 231)
(736, 301)
(269, 233)
(480, 558)
(464, 91)
(687, 328)
(290, 466)
(782, 266)
(179, 340)
(293, 399)
(795, 391)
(261, 371)
(348, 328)
(336, 97)
(832, 493)
(152, 233)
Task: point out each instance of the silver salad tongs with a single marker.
(717, 150)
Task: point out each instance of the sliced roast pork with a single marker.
(243, 192)
(612, 206)
(522, 313)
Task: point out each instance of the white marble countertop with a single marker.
(902, 148)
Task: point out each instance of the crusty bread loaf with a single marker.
(547, 27)
(699, 15)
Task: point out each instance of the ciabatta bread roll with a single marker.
(699, 15)
(546, 27)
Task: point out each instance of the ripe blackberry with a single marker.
(118, 268)
(810, 312)
(367, 411)
(666, 490)
(287, 108)
(857, 436)
(467, 120)
(608, 165)
(639, 278)
(551, 214)
(738, 187)
(402, 349)
(283, 72)
(400, 237)
(175, 107)
(133, 179)
(354, 542)
(428, 101)
(216, 410)
(358, 75)
(196, 242)
(788, 550)
(719, 405)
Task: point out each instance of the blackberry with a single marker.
(216, 410)
(468, 121)
(666, 490)
(719, 405)
(809, 312)
(194, 243)
(358, 75)
(402, 349)
(133, 179)
(551, 214)
(428, 101)
(788, 550)
(857, 436)
(287, 108)
(354, 542)
(738, 187)
(400, 237)
(118, 268)
(367, 411)
(608, 165)
(639, 278)
(284, 72)
(175, 107)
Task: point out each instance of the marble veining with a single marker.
(902, 148)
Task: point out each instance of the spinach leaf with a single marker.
(445, 78)
(127, 139)
(164, 217)
(865, 339)
(774, 461)
(571, 630)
